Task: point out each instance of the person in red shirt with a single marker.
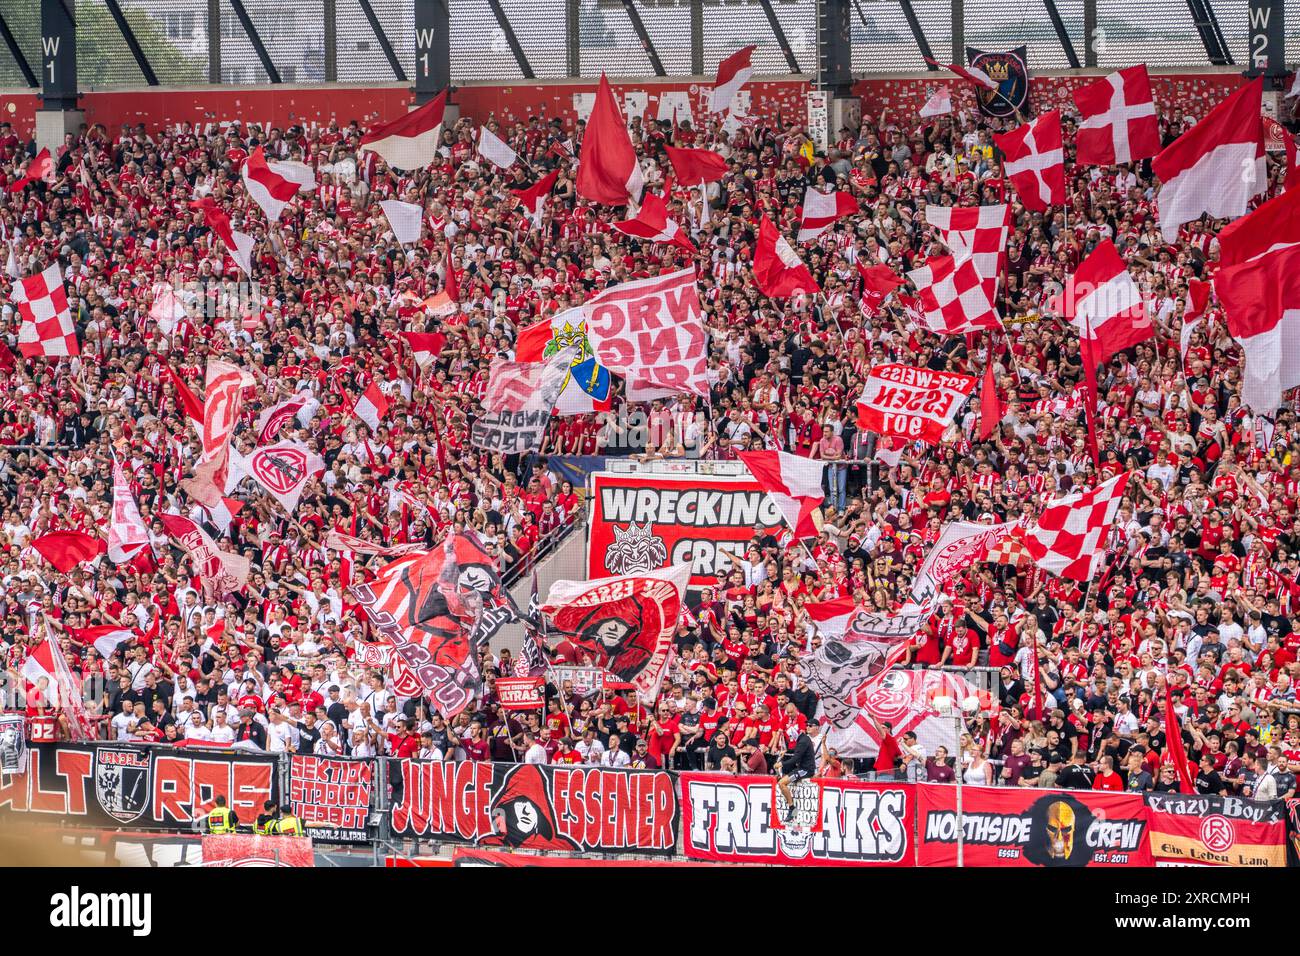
(403, 743)
(1107, 778)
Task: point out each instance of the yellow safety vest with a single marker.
(288, 826)
(221, 820)
(264, 829)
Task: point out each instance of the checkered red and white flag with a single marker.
(976, 231)
(47, 327)
(956, 298)
(1069, 538)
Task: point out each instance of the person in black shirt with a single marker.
(1208, 779)
(308, 734)
(1167, 781)
(720, 751)
(799, 763)
(1078, 775)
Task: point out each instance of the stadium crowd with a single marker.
(1198, 598)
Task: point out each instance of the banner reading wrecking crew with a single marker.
(531, 807)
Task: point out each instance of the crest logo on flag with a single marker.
(122, 783)
(281, 470)
(589, 376)
(1011, 73)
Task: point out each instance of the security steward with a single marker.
(288, 825)
(266, 820)
(222, 819)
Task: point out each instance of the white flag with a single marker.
(406, 218)
(495, 150)
(127, 532)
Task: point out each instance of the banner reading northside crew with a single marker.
(1049, 828)
(912, 403)
(331, 796)
(647, 522)
(531, 807)
(1217, 831)
(729, 819)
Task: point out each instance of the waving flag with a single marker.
(270, 190)
(273, 419)
(822, 210)
(733, 73)
(106, 639)
(494, 150)
(64, 690)
(371, 406)
(1119, 119)
(971, 74)
(425, 346)
(695, 166)
(1035, 161)
(405, 218)
(518, 401)
(794, 483)
(1069, 537)
(608, 170)
(976, 231)
(955, 298)
(222, 401)
(1198, 300)
(939, 103)
(653, 225)
(189, 401)
(778, 270)
(238, 244)
(47, 327)
(40, 169)
(220, 572)
(1217, 166)
(990, 405)
(1262, 301)
(409, 142)
(1272, 226)
(587, 388)
(533, 199)
(127, 532)
(877, 282)
(283, 470)
(67, 549)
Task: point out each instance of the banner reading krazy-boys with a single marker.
(651, 332)
(531, 807)
(1217, 831)
(730, 819)
(646, 522)
(1005, 827)
(912, 403)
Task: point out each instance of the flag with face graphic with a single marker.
(626, 622)
(437, 609)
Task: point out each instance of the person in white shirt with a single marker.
(281, 734)
(121, 722)
(534, 752)
(590, 748)
(614, 756)
(222, 732)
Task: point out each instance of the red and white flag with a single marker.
(67, 549)
(105, 639)
(972, 74)
(222, 401)
(695, 166)
(1069, 537)
(47, 327)
(273, 419)
(877, 282)
(1198, 301)
(270, 190)
(406, 219)
(976, 231)
(371, 406)
(608, 171)
(822, 210)
(778, 270)
(40, 169)
(1217, 166)
(63, 689)
(283, 470)
(939, 103)
(1105, 305)
(733, 73)
(917, 404)
(794, 483)
(338, 541)
(220, 572)
(1034, 161)
(238, 244)
(653, 224)
(1119, 123)
(495, 150)
(1262, 300)
(409, 142)
(955, 298)
(127, 532)
(167, 309)
(189, 401)
(533, 199)
(224, 512)
(1272, 226)
(425, 346)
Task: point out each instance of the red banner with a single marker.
(730, 819)
(521, 693)
(1005, 827)
(1217, 831)
(645, 522)
(912, 403)
(331, 796)
(249, 849)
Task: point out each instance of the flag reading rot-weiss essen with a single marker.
(409, 142)
(913, 403)
(47, 327)
(651, 331)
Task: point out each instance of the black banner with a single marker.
(331, 796)
(1010, 71)
(151, 788)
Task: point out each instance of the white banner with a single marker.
(912, 403)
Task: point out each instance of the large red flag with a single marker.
(189, 401)
(67, 549)
(608, 171)
(778, 270)
(695, 166)
(1174, 745)
(990, 406)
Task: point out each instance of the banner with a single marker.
(477, 856)
(960, 544)
(651, 331)
(902, 698)
(626, 623)
(222, 399)
(645, 522)
(221, 572)
(586, 680)
(517, 405)
(13, 744)
(532, 807)
(1217, 831)
(283, 470)
(249, 849)
(1006, 827)
(331, 796)
(912, 403)
(1010, 70)
(149, 788)
(729, 819)
(521, 693)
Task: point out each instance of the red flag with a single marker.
(608, 171)
(971, 74)
(1119, 119)
(990, 405)
(67, 549)
(1174, 745)
(877, 283)
(534, 197)
(822, 210)
(268, 188)
(191, 403)
(653, 223)
(452, 280)
(1272, 225)
(794, 483)
(1035, 161)
(778, 270)
(733, 73)
(409, 142)
(1069, 537)
(425, 346)
(695, 166)
(40, 168)
(1262, 301)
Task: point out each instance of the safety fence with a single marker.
(189, 42)
(554, 814)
